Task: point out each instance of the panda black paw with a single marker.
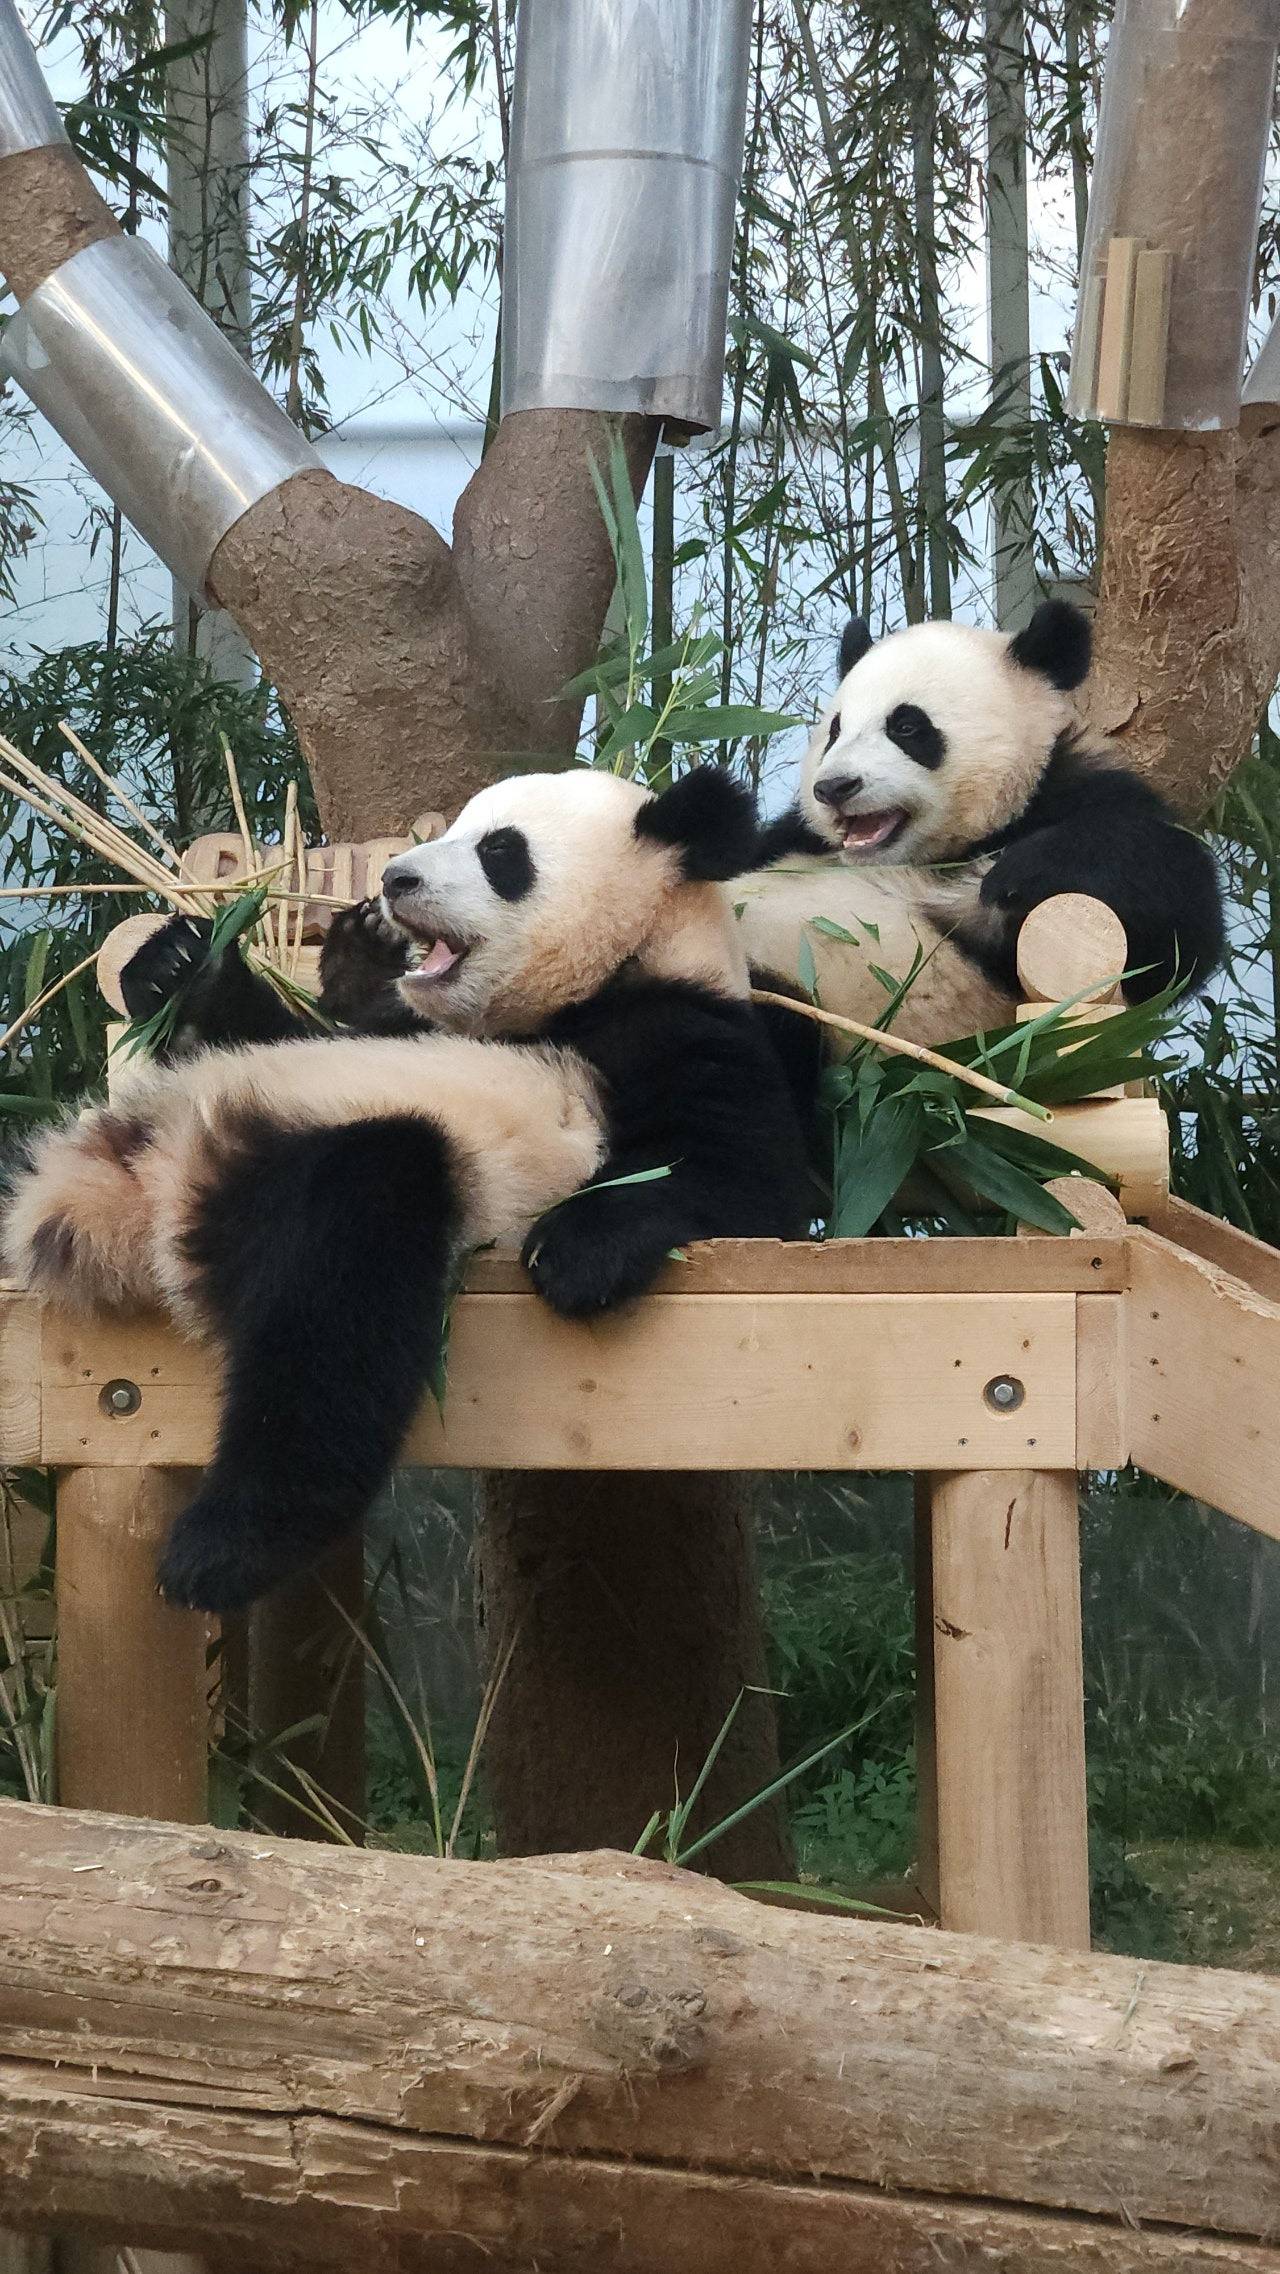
(585, 1267)
(164, 964)
(362, 957)
(1033, 869)
(226, 1550)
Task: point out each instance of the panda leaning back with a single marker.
(307, 1204)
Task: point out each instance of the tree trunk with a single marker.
(629, 1607)
(290, 2055)
(414, 674)
(1188, 627)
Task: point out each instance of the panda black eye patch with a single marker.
(507, 862)
(835, 729)
(916, 735)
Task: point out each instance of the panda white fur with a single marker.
(945, 792)
(306, 1202)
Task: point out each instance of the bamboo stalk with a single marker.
(897, 1046)
(46, 996)
(115, 788)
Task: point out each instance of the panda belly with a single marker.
(105, 1213)
(893, 914)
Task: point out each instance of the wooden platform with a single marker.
(982, 1354)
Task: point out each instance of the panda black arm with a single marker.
(1101, 831)
(790, 833)
(692, 1088)
(225, 1003)
(222, 1002)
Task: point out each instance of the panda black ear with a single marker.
(709, 819)
(855, 639)
(1058, 643)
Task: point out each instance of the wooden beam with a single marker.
(1203, 1360)
(1006, 1689)
(679, 1381)
(1254, 1261)
(133, 1719)
(277, 2053)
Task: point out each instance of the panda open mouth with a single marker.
(435, 956)
(868, 832)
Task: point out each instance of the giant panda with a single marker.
(583, 1027)
(946, 791)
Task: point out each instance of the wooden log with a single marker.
(278, 2053)
(132, 1679)
(1006, 1688)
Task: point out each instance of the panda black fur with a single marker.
(306, 1203)
(947, 791)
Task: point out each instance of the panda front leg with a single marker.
(220, 1002)
(320, 1258)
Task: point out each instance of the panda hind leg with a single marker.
(321, 1259)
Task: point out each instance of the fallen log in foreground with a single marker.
(280, 2055)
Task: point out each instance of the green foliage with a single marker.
(891, 1119)
(638, 736)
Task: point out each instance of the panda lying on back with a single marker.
(945, 793)
(306, 1202)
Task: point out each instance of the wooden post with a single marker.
(1007, 1678)
(132, 1677)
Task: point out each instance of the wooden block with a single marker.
(1071, 945)
(1084, 392)
(119, 948)
(1203, 1360)
(736, 1382)
(1149, 346)
(1128, 1138)
(1008, 1686)
(1116, 337)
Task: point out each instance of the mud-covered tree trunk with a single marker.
(1188, 630)
(414, 673)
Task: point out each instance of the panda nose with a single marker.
(398, 881)
(836, 788)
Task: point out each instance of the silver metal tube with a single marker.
(29, 117)
(626, 149)
(158, 406)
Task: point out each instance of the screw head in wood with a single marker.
(1004, 1393)
(120, 1399)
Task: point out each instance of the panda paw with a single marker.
(164, 964)
(362, 957)
(1033, 869)
(224, 1551)
(583, 1260)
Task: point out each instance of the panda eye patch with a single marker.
(504, 856)
(916, 735)
(835, 729)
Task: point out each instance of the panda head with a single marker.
(937, 735)
(548, 885)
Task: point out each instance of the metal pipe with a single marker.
(626, 149)
(153, 400)
(29, 117)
